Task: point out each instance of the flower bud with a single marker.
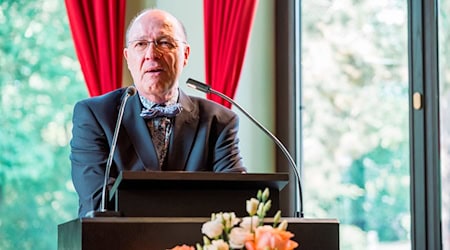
(226, 217)
(267, 206)
(218, 217)
(265, 194)
(252, 206)
(206, 241)
(260, 211)
(277, 217)
(283, 225)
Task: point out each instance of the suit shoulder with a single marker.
(211, 107)
(106, 99)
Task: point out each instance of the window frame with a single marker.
(424, 125)
(425, 178)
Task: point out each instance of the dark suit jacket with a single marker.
(204, 138)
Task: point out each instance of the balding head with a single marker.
(178, 25)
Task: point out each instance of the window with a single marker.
(355, 116)
(40, 80)
(444, 112)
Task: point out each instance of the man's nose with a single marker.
(152, 50)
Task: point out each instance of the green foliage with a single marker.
(40, 81)
(355, 124)
(383, 175)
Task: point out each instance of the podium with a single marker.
(163, 209)
(190, 194)
(153, 233)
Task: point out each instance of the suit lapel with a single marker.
(137, 129)
(183, 134)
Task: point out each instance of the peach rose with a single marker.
(267, 237)
(217, 245)
(183, 247)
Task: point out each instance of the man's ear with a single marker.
(187, 52)
(125, 53)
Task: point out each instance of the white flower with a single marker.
(212, 229)
(238, 235)
(249, 223)
(229, 220)
(224, 231)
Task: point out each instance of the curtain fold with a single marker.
(227, 29)
(98, 32)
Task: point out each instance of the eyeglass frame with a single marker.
(157, 42)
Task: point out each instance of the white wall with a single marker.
(256, 87)
(256, 91)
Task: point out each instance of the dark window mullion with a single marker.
(424, 130)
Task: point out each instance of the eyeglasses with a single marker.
(164, 44)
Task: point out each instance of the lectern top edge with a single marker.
(183, 175)
(207, 180)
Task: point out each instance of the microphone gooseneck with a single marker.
(207, 89)
(130, 91)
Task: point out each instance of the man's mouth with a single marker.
(154, 70)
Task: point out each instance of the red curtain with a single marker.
(227, 29)
(98, 29)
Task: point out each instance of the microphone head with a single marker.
(198, 85)
(131, 91)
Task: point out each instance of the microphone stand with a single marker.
(103, 212)
(207, 89)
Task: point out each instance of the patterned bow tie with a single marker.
(162, 111)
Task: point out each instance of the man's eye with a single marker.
(165, 43)
(140, 44)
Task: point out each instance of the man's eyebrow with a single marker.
(139, 38)
(144, 37)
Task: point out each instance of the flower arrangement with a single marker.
(225, 231)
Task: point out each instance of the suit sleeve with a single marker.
(227, 156)
(89, 153)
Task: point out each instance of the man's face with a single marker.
(156, 54)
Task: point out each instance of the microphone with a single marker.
(103, 212)
(207, 89)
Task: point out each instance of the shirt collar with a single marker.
(149, 104)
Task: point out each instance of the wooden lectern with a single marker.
(190, 194)
(163, 209)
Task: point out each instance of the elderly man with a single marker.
(163, 129)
